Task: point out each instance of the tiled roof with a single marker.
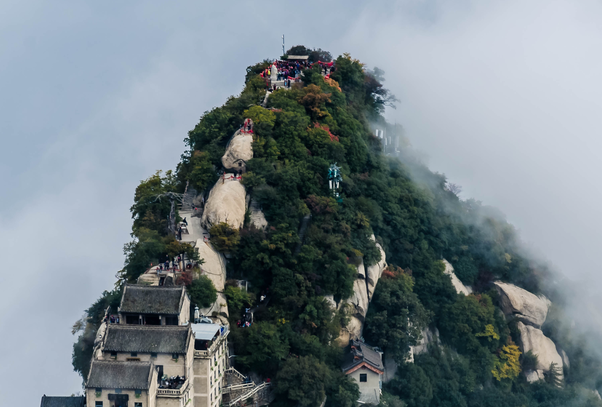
(120, 375)
(142, 299)
(60, 401)
(358, 353)
(147, 339)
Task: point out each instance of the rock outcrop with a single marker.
(532, 339)
(374, 271)
(218, 310)
(226, 203)
(428, 336)
(330, 299)
(238, 152)
(214, 266)
(460, 288)
(527, 307)
(257, 216)
(363, 289)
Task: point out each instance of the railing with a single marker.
(234, 387)
(173, 392)
(205, 353)
(236, 373)
(247, 395)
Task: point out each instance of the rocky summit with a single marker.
(302, 255)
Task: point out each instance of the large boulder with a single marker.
(238, 152)
(353, 330)
(460, 288)
(257, 216)
(527, 307)
(374, 271)
(226, 203)
(214, 266)
(532, 339)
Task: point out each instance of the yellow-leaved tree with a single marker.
(507, 365)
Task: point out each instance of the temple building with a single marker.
(365, 366)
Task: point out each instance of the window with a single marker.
(118, 391)
(363, 377)
(98, 391)
(174, 356)
(137, 404)
(98, 404)
(153, 354)
(114, 355)
(138, 392)
(134, 354)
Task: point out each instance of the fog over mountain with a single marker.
(502, 97)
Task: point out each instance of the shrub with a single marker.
(223, 237)
(202, 292)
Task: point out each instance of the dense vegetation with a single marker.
(297, 136)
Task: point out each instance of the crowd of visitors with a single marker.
(173, 382)
(288, 71)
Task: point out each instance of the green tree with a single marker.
(262, 349)
(203, 173)
(202, 292)
(412, 385)
(237, 298)
(396, 316)
(223, 237)
(303, 381)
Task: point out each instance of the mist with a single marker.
(502, 97)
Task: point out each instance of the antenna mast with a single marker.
(282, 44)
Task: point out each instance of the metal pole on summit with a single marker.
(282, 44)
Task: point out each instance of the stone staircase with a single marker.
(239, 389)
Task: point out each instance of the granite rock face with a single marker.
(257, 217)
(532, 339)
(374, 271)
(238, 152)
(527, 307)
(363, 290)
(214, 266)
(428, 336)
(226, 203)
(460, 288)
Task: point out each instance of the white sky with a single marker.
(502, 96)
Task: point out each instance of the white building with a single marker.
(365, 366)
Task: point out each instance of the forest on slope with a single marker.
(297, 136)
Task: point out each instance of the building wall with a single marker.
(184, 317)
(208, 374)
(367, 388)
(169, 402)
(144, 398)
(170, 366)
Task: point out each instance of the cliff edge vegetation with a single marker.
(305, 261)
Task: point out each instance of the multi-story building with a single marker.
(210, 363)
(169, 348)
(147, 361)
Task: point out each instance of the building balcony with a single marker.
(174, 393)
(205, 353)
